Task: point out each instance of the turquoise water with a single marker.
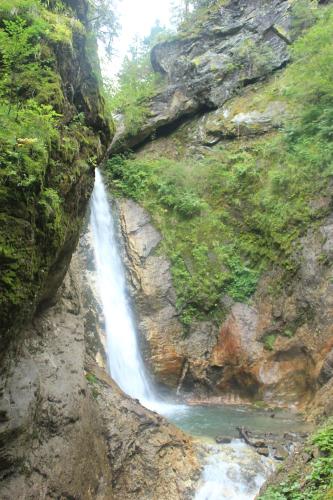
(233, 471)
(212, 421)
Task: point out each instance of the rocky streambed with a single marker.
(238, 447)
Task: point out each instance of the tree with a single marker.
(103, 21)
(182, 9)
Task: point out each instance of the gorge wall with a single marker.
(226, 212)
(270, 337)
(231, 362)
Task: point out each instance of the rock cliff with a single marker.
(44, 200)
(239, 43)
(68, 431)
(274, 346)
(234, 364)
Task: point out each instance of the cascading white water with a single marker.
(124, 359)
(233, 472)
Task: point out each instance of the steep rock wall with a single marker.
(68, 431)
(42, 210)
(276, 345)
(234, 364)
(239, 43)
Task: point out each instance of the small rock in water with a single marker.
(263, 451)
(258, 444)
(223, 440)
(280, 453)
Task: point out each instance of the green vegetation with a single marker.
(304, 15)
(93, 382)
(269, 342)
(197, 237)
(231, 213)
(189, 15)
(91, 378)
(103, 22)
(136, 84)
(316, 476)
(45, 145)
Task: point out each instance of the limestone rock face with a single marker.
(161, 331)
(236, 361)
(52, 441)
(299, 322)
(224, 124)
(148, 457)
(238, 44)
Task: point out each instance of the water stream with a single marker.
(232, 471)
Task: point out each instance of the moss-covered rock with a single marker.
(53, 130)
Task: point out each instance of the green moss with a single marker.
(46, 151)
(269, 342)
(91, 378)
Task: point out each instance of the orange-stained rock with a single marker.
(237, 341)
(234, 362)
(150, 276)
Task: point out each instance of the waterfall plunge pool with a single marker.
(208, 422)
(231, 471)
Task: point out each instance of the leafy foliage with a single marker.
(318, 484)
(203, 267)
(304, 13)
(103, 21)
(136, 84)
(242, 207)
(44, 147)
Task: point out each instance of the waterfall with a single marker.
(124, 360)
(228, 473)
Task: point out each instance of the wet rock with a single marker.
(52, 440)
(326, 372)
(150, 276)
(67, 435)
(250, 438)
(223, 440)
(280, 453)
(262, 450)
(269, 444)
(148, 457)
